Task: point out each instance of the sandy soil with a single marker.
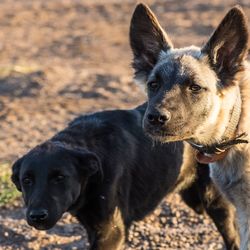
(61, 58)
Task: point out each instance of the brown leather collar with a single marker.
(221, 147)
(209, 158)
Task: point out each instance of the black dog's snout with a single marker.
(158, 119)
(38, 215)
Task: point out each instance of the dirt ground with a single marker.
(61, 58)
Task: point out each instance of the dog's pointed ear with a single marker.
(15, 173)
(228, 46)
(147, 40)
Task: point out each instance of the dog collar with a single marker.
(217, 151)
(209, 158)
(219, 148)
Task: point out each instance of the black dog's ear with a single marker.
(228, 45)
(15, 173)
(147, 40)
(88, 163)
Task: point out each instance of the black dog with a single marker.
(107, 173)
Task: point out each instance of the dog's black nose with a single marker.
(157, 119)
(38, 214)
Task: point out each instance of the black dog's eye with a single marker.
(153, 85)
(58, 178)
(27, 181)
(195, 88)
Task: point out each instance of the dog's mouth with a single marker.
(166, 135)
(45, 225)
(42, 226)
(163, 134)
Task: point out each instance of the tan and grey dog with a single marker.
(201, 96)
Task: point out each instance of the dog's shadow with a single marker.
(98, 86)
(17, 84)
(20, 85)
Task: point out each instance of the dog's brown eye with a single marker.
(153, 85)
(27, 181)
(58, 178)
(195, 87)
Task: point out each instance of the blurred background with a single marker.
(62, 58)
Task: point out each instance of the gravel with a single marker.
(62, 58)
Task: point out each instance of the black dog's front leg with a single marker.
(108, 235)
(218, 208)
(203, 195)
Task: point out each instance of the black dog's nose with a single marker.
(157, 119)
(38, 214)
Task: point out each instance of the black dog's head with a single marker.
(51, 178)
(189, 88)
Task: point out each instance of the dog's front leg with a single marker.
(110, 235)
(233, 182)
(244, 224)
(241, 200)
